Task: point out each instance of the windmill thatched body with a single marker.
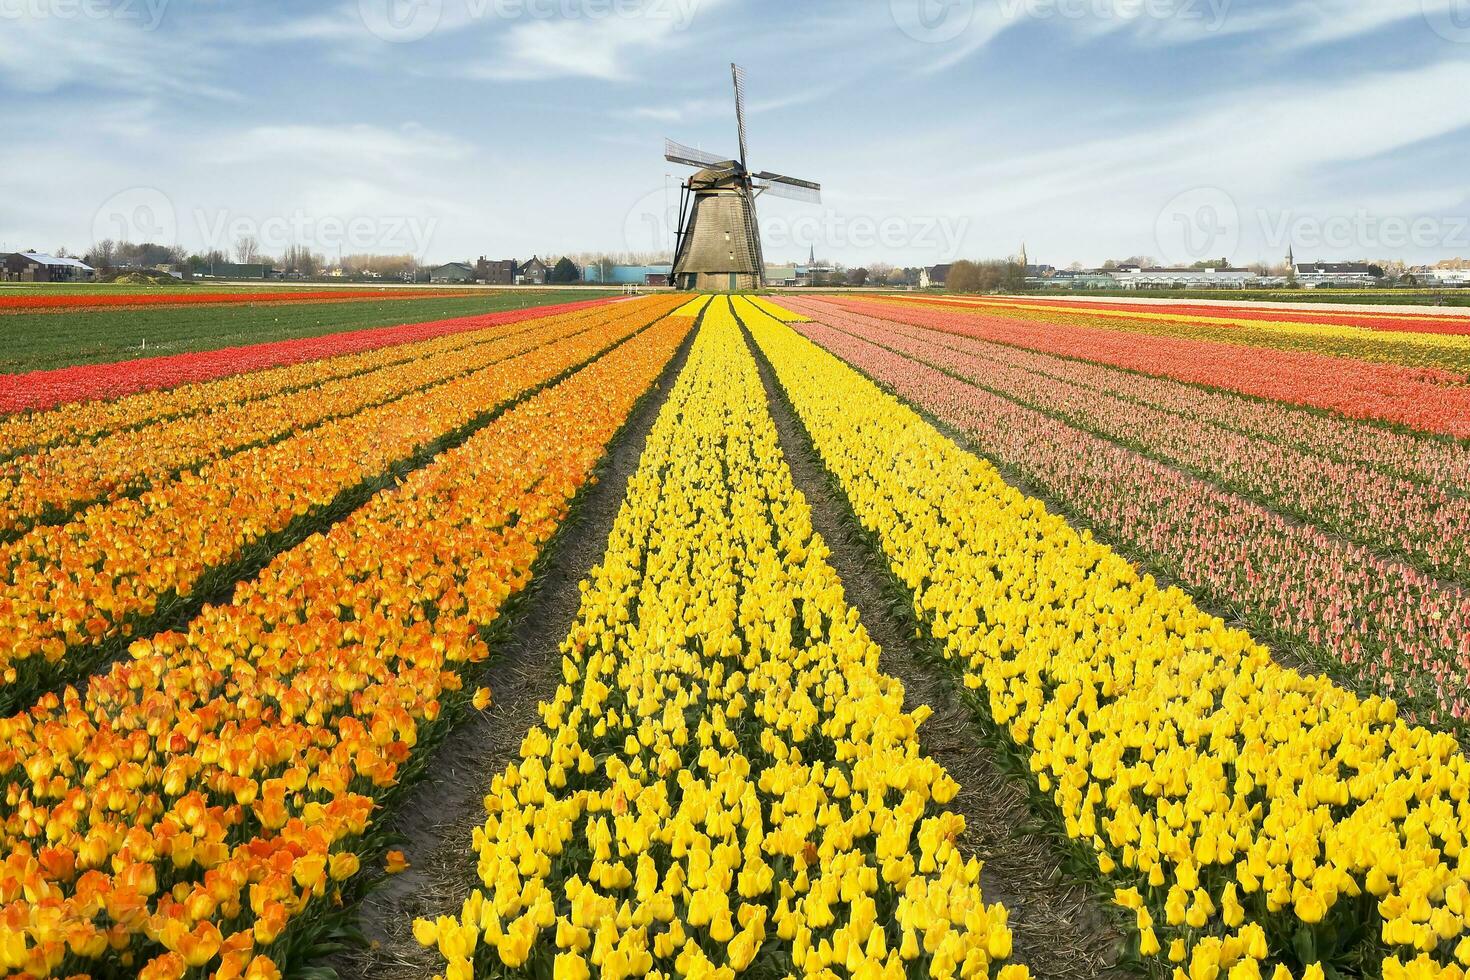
(718, 246)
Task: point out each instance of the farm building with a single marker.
(500, 272)
(934, 275)
(629, 275)
(40, 267)
(781, 275)
(458, 272)
(532, 273)
(1133, 277)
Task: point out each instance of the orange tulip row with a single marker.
(50, 485)
(220, 787)
(77, 420)
(74, 593)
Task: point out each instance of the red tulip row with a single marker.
(23, 303)
(1392, 516)
(49, 485)
(1378, 623)
(202, 806)
(46, 389)
(1431, 400)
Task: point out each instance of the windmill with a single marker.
(718, 245)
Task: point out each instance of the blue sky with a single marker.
(940, 129)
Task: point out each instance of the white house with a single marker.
(1314, 274)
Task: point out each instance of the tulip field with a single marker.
(1192, 582)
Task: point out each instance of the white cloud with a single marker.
(594, 47)
(347, 148)
(41, 52)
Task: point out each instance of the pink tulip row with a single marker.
(1378, 624)
(1387, 514)
(1429, 459)
(1429, 400)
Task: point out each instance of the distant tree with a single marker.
(986, 277)
(565, 270)
(857, 277)
(299, 258)
(247, 250)
(103, 255)
(964, 277)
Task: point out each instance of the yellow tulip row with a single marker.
(203, 806)
(692, 308)
(725, 782)
(50, 484)
(1256, 822)
(74, 421)
(69, 591)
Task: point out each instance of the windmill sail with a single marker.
(738, 74)
(689, 156)
(779, 185)
(791, 192)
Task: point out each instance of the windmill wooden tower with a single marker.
(718, 245)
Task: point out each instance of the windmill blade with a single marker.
(690, 157)
(738, 74)
(792, 192)
(783, 179)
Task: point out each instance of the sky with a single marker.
(1181, 130)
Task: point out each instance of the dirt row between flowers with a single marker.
(1062, 930)
(437, 818)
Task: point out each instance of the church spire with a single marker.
(812, 258)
